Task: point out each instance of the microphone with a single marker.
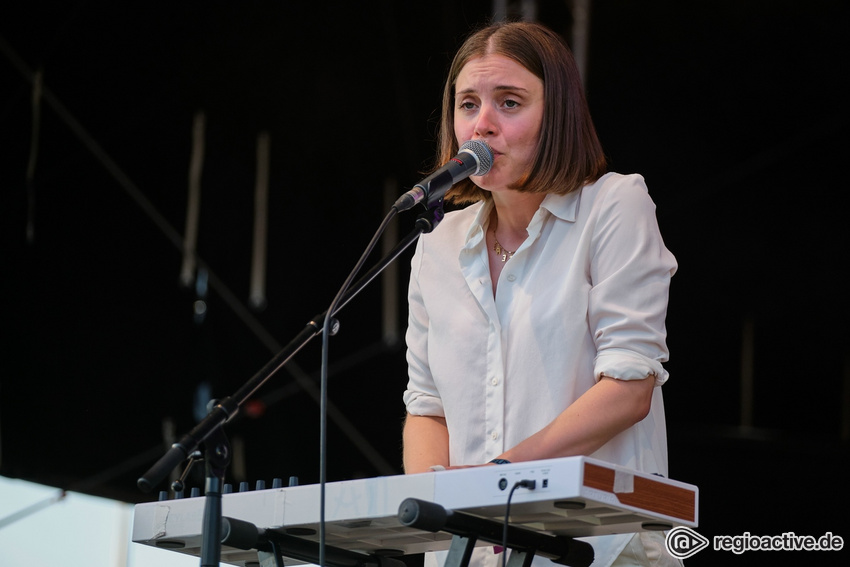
(473, 158)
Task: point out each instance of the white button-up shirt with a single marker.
(584, 296)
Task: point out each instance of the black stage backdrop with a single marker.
(734, 112)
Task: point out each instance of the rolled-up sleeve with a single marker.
(421, 396)
(630, 271)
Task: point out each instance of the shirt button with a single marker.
(495, 381)
(494, 436)
(511, 278)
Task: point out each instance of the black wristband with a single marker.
(500, 462)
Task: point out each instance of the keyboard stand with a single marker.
(467, 529)
(272, 546)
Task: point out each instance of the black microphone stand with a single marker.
(209, 430)
(216, 458)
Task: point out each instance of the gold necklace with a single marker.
(503, 252)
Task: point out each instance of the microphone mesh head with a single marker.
(483, 155)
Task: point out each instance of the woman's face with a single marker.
(501, 102)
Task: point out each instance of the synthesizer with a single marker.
(573, 496)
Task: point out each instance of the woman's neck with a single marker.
(512, 212)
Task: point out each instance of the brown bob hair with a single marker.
(569, 154)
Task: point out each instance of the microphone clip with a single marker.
(431, 217)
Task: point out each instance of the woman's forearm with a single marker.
(608, 408)
(426, 443)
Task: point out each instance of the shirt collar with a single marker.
(475, 234)
(563, 207)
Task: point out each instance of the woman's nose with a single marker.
(485, 125)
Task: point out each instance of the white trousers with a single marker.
(646, 549)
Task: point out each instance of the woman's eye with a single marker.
(511, 103)
(467, 105)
